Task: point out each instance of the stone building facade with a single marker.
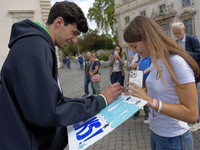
(16, 10)
(164, 12)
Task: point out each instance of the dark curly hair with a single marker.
(70, 12)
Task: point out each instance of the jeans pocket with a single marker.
(187, 141)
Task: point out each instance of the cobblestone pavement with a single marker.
(132, 134)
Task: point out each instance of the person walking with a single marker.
(64, 62)
(116, 63)
(192, 46)
(170, 87)
(95, 70)
(80, 60)
(77, 63)
(68, 61)
(33, 110)
(87, 78)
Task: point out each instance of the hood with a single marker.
(27, 28)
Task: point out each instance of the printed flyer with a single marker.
(84, 134)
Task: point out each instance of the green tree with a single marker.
(100, 42)
(115, 38)
(109, 44)
(102, 13)
(88, 40)
(69, 50)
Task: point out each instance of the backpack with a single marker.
(80, 59)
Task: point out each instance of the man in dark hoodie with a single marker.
(33, 111)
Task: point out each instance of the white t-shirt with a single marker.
(116, 66)
(182, 43)
(159, 123)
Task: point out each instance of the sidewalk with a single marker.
(132, 134)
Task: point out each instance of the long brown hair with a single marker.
(120, 53)
(159, 44)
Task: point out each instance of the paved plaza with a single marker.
(132, 134)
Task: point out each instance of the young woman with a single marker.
(95, 69)
(116, 63)
(170, 87)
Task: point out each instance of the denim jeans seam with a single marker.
(184, 144)
(183, 137)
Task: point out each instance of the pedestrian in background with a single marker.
(170, 87)
(192, 46)
(68, 61)
(80, 60)
(129, 58)
(144, 65)
(33, 110)
(77, 63)
(95, 69)
(116, 63)
(87, 77)
(64, 62)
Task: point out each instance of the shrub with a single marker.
(104, 56)
(124, 53)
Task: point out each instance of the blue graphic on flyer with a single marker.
(119, 111)
(109, 118)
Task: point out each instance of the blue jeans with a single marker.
(69, 65)
(182, 142)
(88, 80)
(81, 65)
(117, 77)
(77, 63)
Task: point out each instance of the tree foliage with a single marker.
(70, 50)
(102, 13)
(90, 41)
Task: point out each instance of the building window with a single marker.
(127, 20)
(186, 2)
(166, 29)
(161, 8)
(188, 26)
(124, 1)
(143, 13)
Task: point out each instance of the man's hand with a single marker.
(113, 92)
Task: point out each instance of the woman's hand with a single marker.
(138, 92)
(90, 73)
(117, 56)
(114, 57)
(134, 65)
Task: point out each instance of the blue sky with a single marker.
(84, 5)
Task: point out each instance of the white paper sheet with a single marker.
(84, 134)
